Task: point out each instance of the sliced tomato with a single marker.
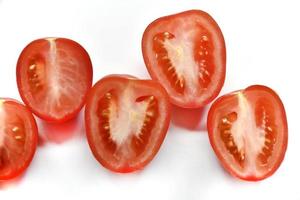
(248, 132)
(53, 76)
(126, 121)
(18, 138)
(186, 53)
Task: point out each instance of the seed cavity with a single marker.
(34, 72)
(225, 125)
(203, 56)
(162, 57)
(104, 112)
(269, 135)
(141, 139)
(17, 134)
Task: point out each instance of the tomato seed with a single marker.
(15, 129)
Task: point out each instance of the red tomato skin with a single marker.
(213, 143)
(92, 145)
(45, 117)
(154, 76)
(33, 145)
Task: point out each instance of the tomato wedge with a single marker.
(126, 121)
(186, 53)
(54, 76)
(18, 138)
(248, 132)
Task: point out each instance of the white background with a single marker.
(262, 39)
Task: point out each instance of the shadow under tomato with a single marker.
(60, 132)
(188, 118)
(11, 182)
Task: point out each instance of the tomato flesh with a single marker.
(186, 53)
(248, 132)
(126, 121)
(50, 73)
(18, 138)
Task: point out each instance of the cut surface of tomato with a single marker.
(186, 53)
(53, 76)
(248, 132)
(18, 138)
(126, 121)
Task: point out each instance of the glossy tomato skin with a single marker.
(34, 51)
(160, 24)
(123, 79)
(216, 108)
(30, 148)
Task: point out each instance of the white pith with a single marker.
(247, 136)
(181, 54)
(128, 120)
(60, 81)
(53, 70)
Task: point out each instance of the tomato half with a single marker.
(18, 138)
(126, 121)
(248, 132)
(186, 53)
(54, 76)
